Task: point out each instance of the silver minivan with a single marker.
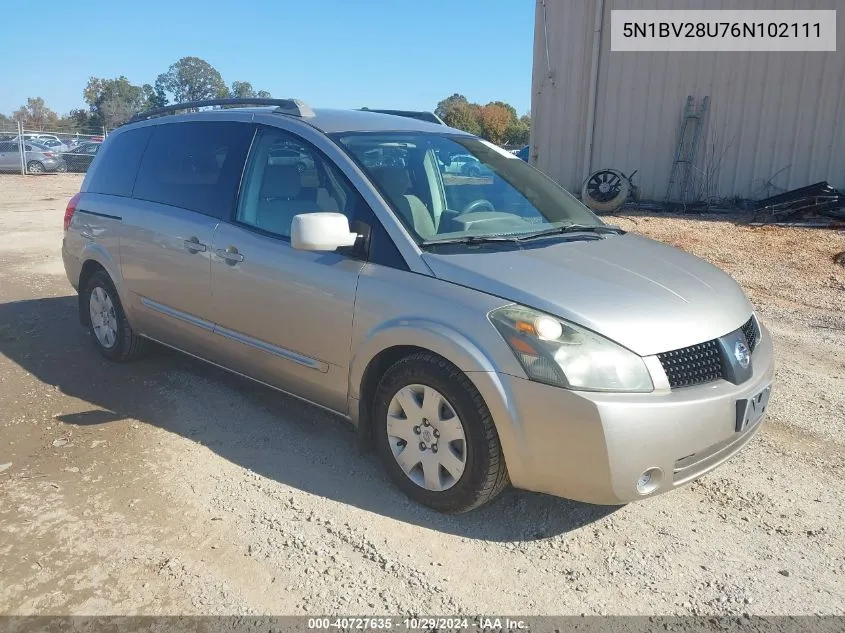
(477, 330)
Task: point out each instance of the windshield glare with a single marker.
(446, 187)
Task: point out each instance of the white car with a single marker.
(466, 165)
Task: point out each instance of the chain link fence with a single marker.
(45, 150)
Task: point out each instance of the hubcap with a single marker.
(426, 437)
(103, 319)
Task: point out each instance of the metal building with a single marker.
(775, 121)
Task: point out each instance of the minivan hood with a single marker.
(643, 294)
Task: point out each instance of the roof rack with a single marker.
(292, 107)
(420, 115)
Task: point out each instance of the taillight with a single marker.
(71, 208)
(48, 154)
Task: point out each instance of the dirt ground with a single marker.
(170, 487)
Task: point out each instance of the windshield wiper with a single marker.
(472, 239)
(521, 237)
(574, 228)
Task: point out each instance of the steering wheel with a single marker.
(482, 204)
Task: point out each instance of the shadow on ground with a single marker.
(255, 427)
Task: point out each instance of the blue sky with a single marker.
(330, 53)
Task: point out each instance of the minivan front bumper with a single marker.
(595, 447)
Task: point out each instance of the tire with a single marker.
(124, 345)
(484, 474)
(35, 167)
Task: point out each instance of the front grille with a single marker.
(749, 330)
(693, 365)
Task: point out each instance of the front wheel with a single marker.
(436, 436)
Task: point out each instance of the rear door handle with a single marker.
(231, 255)
(193, 245)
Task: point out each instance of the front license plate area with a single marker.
(750, 410)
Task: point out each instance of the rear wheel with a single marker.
(436, 436)
(35, 167)
(110, 330)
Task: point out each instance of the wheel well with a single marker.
(376, 368)
(88, 269)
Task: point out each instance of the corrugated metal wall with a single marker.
(775, 117)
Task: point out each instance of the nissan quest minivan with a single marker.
(478, 330)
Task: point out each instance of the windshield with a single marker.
(451, 187)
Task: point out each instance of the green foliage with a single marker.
(191, 79)
(244, 90)
(152, 98)
(112, 102)
(78, 120)
(519, 132)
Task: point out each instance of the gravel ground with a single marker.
(170, 487)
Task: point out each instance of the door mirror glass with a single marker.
(323, 231)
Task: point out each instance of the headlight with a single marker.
(559, 353)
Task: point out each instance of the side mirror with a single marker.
(321, 231)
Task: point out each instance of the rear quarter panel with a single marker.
(94, 234)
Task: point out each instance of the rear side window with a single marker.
(117, 164)
(195, 166)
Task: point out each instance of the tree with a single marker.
(519, 132)
(152, 98)
(35, 115)
(191, 79)
(77, 120)
(495, 119)
(459, 113)
(114, 101)
(513, 117)
(242, 90)
(449, 103)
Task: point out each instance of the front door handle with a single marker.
(231, 255)
(193, 245)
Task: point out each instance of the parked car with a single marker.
(39, 159)
(475, 333)
(79, 157)
(35, 137)
(466, 165)
(52, 145)
(291, 157)
(523, 153)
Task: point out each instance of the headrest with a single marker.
(280, 181)
(394, 180)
